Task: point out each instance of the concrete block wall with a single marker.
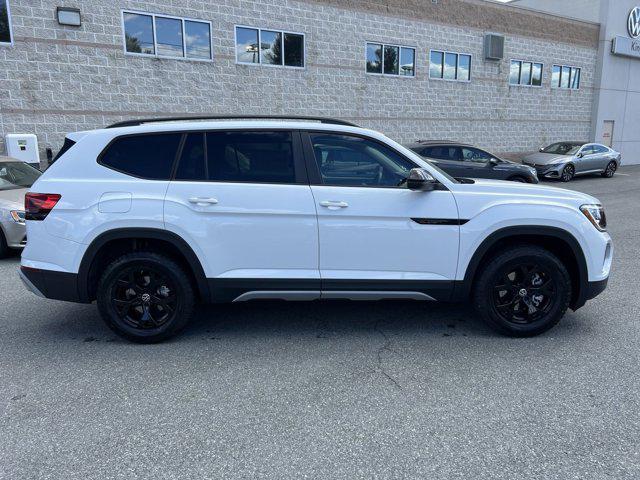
(58, 79)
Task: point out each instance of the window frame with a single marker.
(444, 59)
(572, 69)
(259, 63)
(519, 84)
(313, 169)
(11, 38)
(155, 40)
(399, 47)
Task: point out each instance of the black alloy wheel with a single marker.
(145, 297)
(568, 173)
(522, 291)
(610, 170)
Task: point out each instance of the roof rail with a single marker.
(141, 121)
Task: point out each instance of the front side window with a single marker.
(252, 157)
(525, 73)
(162, 36)
(269, 47)
(349, 161)
(566, 77)
(145, 156)
(449, 66)
(393, 60)
(5, 22)
(475, 155)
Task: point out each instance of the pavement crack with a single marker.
(386, 347)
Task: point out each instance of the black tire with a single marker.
(568, 173)
(145, 297)
(610, 171)
(518, 280)
(4, 250)
(518, 179)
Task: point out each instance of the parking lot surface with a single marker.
(329, 390)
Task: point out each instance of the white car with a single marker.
(150, 217)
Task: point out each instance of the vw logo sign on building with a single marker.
(633, 24)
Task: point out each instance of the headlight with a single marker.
(595, 214)
(17, 215)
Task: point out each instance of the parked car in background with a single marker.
(15, 179)
(462, 160)
(565, 160)
(149, 217)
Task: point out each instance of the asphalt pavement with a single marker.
(329, 390)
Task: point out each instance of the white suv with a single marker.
(150, 217)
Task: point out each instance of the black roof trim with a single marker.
(141, 121)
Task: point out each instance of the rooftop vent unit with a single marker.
(493, 46)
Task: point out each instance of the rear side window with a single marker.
(442, 153)
(144, 156)
(254, 157)
(68, 143)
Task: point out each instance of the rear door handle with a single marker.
(333, 205)
(202, 201)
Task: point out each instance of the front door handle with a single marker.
(203, 201)
(333, 205)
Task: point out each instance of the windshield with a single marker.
(17, 175)
(562, 148)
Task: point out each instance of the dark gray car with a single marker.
(461, 160)
(565, 160)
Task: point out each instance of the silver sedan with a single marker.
(565, 160)
(15, 179)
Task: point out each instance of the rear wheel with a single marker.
(568, 173)
(145, 297)
(523, 291)
(610, 170)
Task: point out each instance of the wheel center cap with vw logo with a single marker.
(146, 298)
(633, 24)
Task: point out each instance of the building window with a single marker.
(563, 76)
(5, 23)
(525, 73)
(269, 47)
(449, 66)
(382, 59)
(164, 36)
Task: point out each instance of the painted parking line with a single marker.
(623, 174)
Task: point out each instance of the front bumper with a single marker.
(15, 233)
(547, 171)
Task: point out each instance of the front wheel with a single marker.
(610, 170)
(523, 291)
(568, 173)
(145, 297)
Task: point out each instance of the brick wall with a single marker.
(60, 79)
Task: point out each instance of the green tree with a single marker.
(133, 44)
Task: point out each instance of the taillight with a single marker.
(38, 205)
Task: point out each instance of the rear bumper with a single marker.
(51, 284)
(15, 234)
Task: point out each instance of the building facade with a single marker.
(414, 69)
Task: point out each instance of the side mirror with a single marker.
(493, 162)
(541, 149)
(579, 154)
(419, 180)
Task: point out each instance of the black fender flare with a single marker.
(144, 233)
(463, 288)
